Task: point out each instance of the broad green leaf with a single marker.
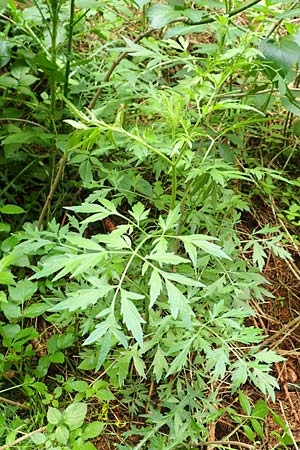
(155, 287)
(54, 416)
(4, 227)
(22, 291)
(93, 430)
(38, 438)
(132, 317)
(11, 311)
(11, 209)
(78, 386)
(160, 15)
(74, 415)
(260, 410)
(61, 434)
(285, 52)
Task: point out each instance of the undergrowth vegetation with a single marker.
(136, 138)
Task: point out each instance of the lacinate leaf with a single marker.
(132, 317)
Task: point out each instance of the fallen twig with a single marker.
(11, 402)
(22, 438)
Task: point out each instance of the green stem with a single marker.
(174, 187)
(69, 47)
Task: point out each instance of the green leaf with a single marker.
(160, 15)
(142, 3)
(104, 350)
(87, 244)
(5, 45)
(82, 299)
(178, 302)
(203, 242)
(74, 415)
(268, 356)
(73, 123)
(155, 287)
(61, 434)
(22, 291)
(259, 255)
(4, 227)
(167, 258)
(38, 438)
(218, 361)
(256, 425)
(11, 209)
(54, 416)
(99, 331)
(191, 251)
(131, 316)
(78, 386)
(159, 364)
(245, 404)
(264, 382)
(260, 410)
(285, 52)
(239, 376)
(85, 172)
(249, 433)
(182, 279)
(138, 212)
(93, 430)
(11, 311)
(181, 359)
(140, 366)
(35, 310)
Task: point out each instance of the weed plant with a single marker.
(137, 117)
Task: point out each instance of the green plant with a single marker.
(142, 279)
